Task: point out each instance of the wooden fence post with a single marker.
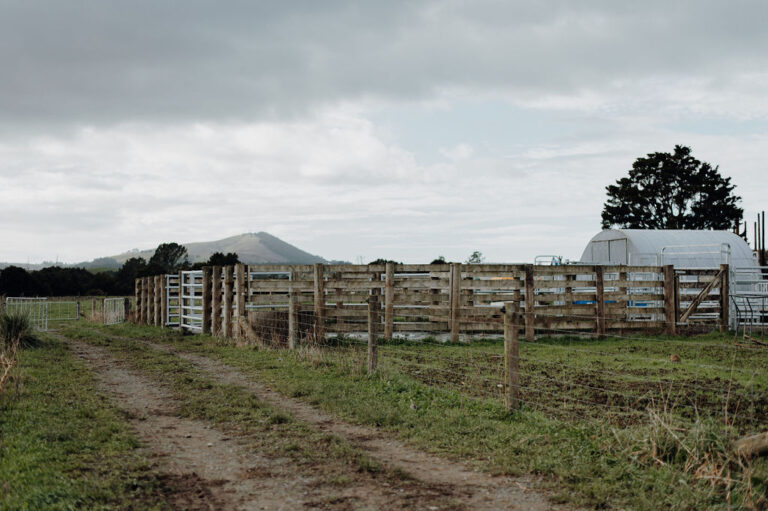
(207, 299)
(93, 309)
(389, 300)
(677, 299)
(126, 309)
(670, 302)
(158, 298)
(435, 295)
(163, 300)
(147, 301)
(530, 328)
(337, 278)
(455, 300)
(376, 294)
(240, 298)
(724, 295)
(137, 296)
(569, 295)
(319, 289)
(228, 283)
(373, 320)
(512, 354)
(139, 314)
(149, 284)
(600, 300)
(153, 318)
(153, 305)
(293, 318)
(216, 300)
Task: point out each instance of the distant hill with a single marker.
(252, 248)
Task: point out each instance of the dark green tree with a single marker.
(16, 281)
(672, 191)
(126, 276)
(475, 258)
(168, 258)
(384, 261)
(439, 260)
(221, 259)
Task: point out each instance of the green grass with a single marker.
(63, 445)
(677, 457)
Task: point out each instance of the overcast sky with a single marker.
(403, 130)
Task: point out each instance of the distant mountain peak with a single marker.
(252, 248)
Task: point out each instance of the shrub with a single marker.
(13, 329)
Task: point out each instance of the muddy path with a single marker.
(471, 489)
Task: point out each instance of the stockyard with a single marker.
(446, 386)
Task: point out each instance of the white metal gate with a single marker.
(36, 309)
(749, 298)
(63, 310)
(191, 307)
(114, 311)
(172, 300)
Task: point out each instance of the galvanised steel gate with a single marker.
(36, 309)
(41, 311)
(191, 307)
(172, 301)
(114, 310)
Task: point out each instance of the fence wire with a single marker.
(565, 375)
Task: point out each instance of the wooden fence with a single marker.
(453, 299)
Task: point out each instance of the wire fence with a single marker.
(565, 375)
(583, 343)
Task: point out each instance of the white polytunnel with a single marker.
(678, 247)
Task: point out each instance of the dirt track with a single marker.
(211, 469)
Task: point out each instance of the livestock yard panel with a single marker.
(448, 299)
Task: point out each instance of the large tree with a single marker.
(127, 274)
(168, 258)
(672, 191)
(16, 281)
(221, 259)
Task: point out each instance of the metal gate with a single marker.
(172, 302)
(36, 309)
(114, 311)
(749, 299)
(63, 310)
(191, 307)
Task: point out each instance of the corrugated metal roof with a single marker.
(686, 248)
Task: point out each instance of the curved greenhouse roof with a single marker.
(682, 248)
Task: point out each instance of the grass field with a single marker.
(63, 445)
(609, 424)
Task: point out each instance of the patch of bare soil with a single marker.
(202, 468)
(472, 489)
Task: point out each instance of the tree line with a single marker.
(58, 281)
(168, 258)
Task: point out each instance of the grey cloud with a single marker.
(91, 62)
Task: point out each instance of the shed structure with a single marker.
(678, 247)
